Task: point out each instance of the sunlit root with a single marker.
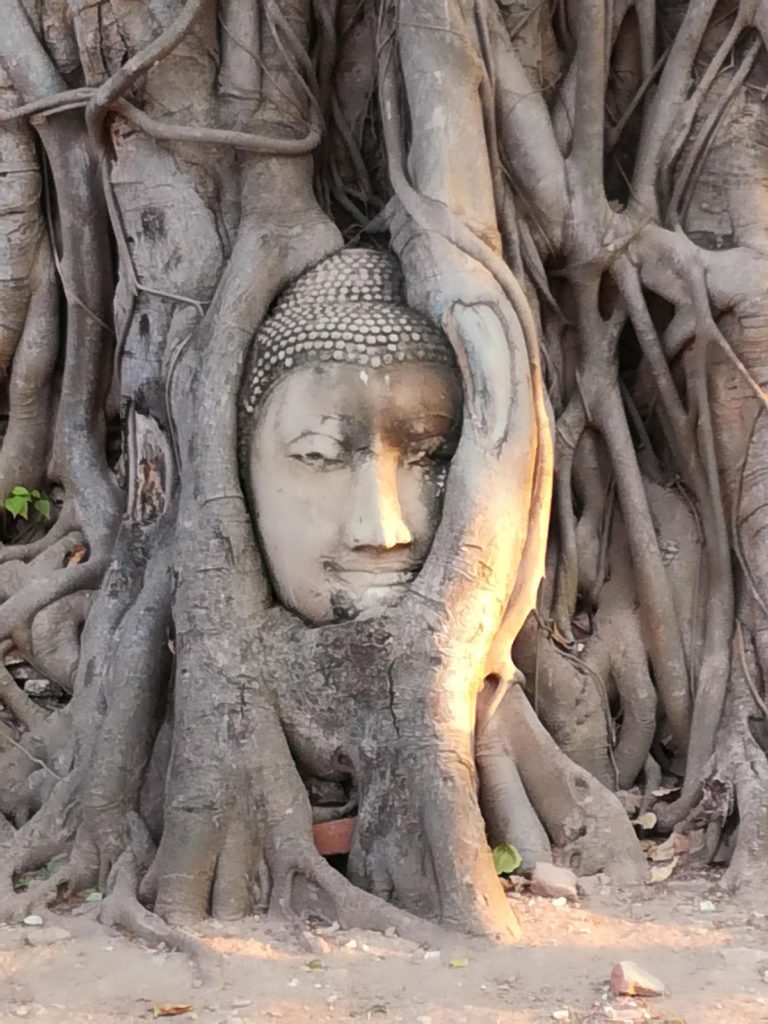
(585, 822)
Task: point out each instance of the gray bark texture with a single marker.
(577, 192)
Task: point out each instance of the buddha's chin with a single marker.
(348, 604)
(385, 596)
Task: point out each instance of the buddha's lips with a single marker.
(364, 579)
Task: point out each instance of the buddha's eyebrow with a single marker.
(322, 420)
(338, 417)
(312, 433)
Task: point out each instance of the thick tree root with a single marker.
(571, 698)
(739, 780)
(586, 825)
(121, 907)
(341, 901)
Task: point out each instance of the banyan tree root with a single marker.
(737, 777)
(535, 797)
(205, 184)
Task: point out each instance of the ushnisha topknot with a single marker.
(350, 308)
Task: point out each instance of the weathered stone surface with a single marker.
(628, 979)
(744, 955)
(552, 881)
(46, 936)
(10, 938)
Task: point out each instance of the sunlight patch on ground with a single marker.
(544, 924)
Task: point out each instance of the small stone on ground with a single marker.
(628, 979)
(552, 881)
(47, 936)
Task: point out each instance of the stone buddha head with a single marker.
(350, 412)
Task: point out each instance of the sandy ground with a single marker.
(711, 958)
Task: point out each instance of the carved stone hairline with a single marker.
(349, 309)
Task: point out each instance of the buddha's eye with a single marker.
(317, 460)
(317, 452)
(430, 453)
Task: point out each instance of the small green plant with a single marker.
(20, 499)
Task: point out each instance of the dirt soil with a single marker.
(709, 951)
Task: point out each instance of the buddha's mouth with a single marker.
(360, 579)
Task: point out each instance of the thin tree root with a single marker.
(66, 523)
(38, 895)
(121, 908)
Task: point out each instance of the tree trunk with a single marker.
(574, 196)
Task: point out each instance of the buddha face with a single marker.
(347, 467)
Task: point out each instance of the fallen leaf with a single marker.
(170, 1009)
(663, 851)
(460, 961)
(645, 821)
(661, 872)
(94, 897)
(675, 844)
(315, 965)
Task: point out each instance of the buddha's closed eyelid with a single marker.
(319, 451)
(431, 448)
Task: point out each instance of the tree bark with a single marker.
(575, 199)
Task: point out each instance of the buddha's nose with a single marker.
(375, 519)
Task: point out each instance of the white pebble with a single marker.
(34, 921)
